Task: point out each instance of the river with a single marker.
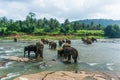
(103, 55)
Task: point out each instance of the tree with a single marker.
(112, 31)
(76, 26)
(98, 27)
(53, 23)
(91, 27)
(30, 20)
(67, 26)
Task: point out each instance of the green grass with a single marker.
(79, 34)
(91, 32)
(29, 37)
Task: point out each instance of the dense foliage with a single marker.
(112, 31)
(32, 25)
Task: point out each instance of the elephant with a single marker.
(39, 46)
(66, 45)
(87, 40)
(52, 45)
(93, 39)
(60, 42)
(45, 41)
(68, 41)
(15, 39)
(60, 52)
(30, 48)
(68, 51)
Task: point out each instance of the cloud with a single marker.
(61, 10)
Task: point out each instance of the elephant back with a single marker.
(30, 48)
(52, 45)
(68, 41)
(71, 51)
(66, 45)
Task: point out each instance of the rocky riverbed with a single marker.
(68, 75)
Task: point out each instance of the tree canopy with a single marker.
(32, 25)
(112, 31)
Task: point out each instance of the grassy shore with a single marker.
(55, 37)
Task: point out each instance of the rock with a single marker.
(14, 58)
(2, 76)
(64, 75)
(2, 64)
(53, 59)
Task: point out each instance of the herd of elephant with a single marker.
(65, 51)
(89, 40)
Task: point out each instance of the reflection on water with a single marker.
(103, 55)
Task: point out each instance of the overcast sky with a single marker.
(61, 9)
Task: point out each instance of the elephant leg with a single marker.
(51, 47)
(36, 55)
(28, 54)
(75, 59)
(24, 53)
(41, 53)
(69, 57)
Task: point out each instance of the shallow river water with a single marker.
(103, 55)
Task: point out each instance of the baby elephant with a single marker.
(30, 48)
(52, 45)
(68, 52)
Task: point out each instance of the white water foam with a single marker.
(10, 75)
(6, 65)
(92, 64)
(109, 66)
(8, 51)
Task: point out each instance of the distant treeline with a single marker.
(31, 25)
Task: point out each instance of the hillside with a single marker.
(103, 22)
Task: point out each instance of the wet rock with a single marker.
(14, 58)
(53, 59)
(2, 64)
(2, 77)
(64, 75)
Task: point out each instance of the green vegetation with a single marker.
(90, 32)
(112, 31)
(51, 27)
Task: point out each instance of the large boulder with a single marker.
(15, 58)
(66, 75)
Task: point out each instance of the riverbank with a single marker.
(68, 75)
(56, 37)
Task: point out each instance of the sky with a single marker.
(61, 9)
